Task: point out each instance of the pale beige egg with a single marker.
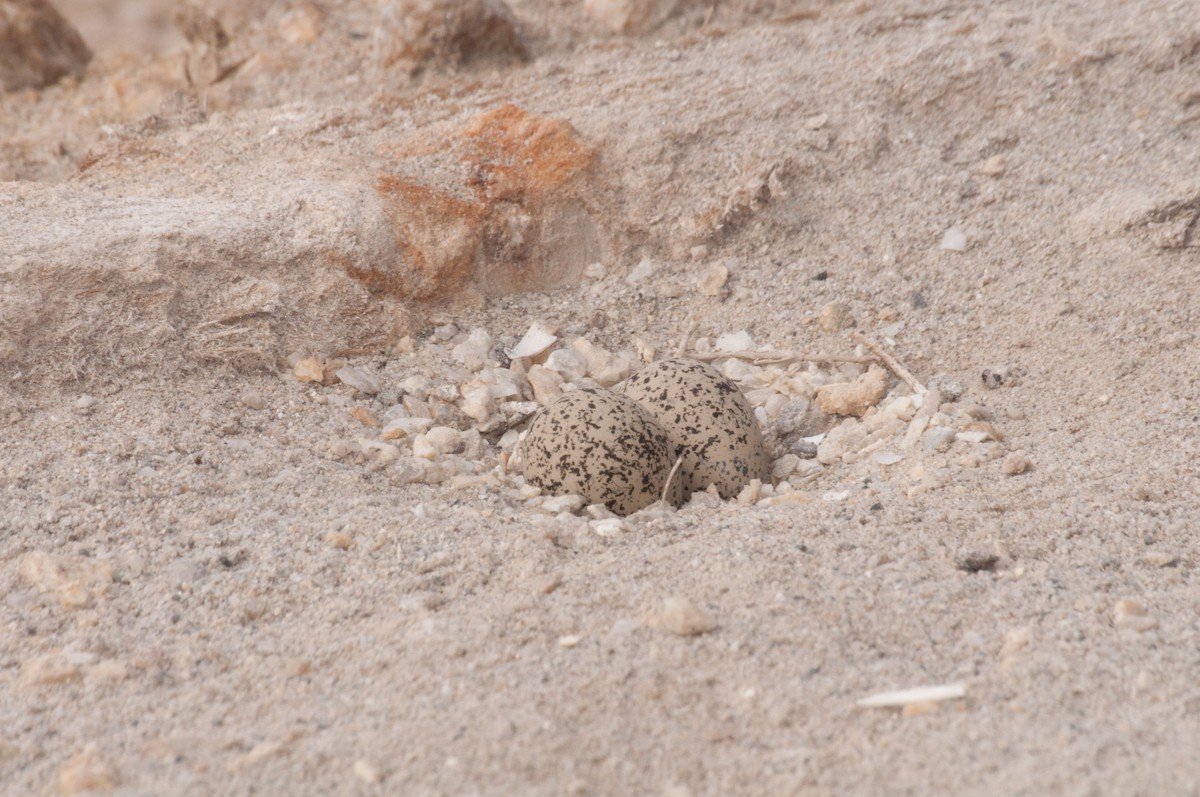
(708, 420)
(603, 446)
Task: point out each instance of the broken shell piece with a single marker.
(921, 694)
(536, 341)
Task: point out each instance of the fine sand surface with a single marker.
(211, 587)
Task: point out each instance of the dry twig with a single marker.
(891, 362)
(686, 339)
(776, 357)
(670, 477)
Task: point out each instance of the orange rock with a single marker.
(518, 221)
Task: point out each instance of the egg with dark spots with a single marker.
(603, 446)
(708, 420)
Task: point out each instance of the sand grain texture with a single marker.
(286, 608)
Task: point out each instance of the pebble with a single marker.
(939, 439)
(445, 332)
(985, 430)
(608, 527)
(734, 341)
(87, 771)
(854, 398)
(300, 25)
(595, 271)
(644, 270)
(629, 17)
(339, 539)
(603, 366)
(993, 166)
(405, 427)
(954, 240)
(712, 282)
(367, 772)
(364, 416)
(477, 401)
(416, 408)
(569, 364)
(475, 351)
(48, 671)
(840, 440)
(417, 386)
(781, 469)
(562, 503)
(682, 617)
(342, 447)
(1016, 640)
(1015, 464)
(254, 401)
(501, 383)
(1159, 559)
(816, 122)
(1132, 615)
(835, 316)
(77, 582)
(383, 453)
(308, 369)
(359, 378)
(547, 385)
(108, 671)
(85, 402)
(752, 492)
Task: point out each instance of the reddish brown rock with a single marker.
(37, 46)
(519, 221)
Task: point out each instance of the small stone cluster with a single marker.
(452, 410)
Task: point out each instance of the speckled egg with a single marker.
(603, 446)
(708, 420)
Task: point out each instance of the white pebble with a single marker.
(1133, 615)
(417, 386)
(473, 352)
(783, 467)
(562, 503)
(683, 618)
(608, 527)
(735, 341)
(405, 427)
(940, 439)
(954, 240)
(569, 364)
(477, 401)
(545, 383)
(641, 272)
(367, 772)
(359, 378)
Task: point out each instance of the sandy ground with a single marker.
(200, 599)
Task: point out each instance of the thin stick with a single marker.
(686, 339)
(670, 478)
(775, 357)
(891, 362)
